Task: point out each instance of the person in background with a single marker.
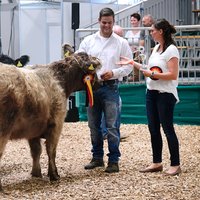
(161, 95)
(147, 21)
(133, 37)
(108, 47)
(118, 30)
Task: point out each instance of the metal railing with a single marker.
(188, 43)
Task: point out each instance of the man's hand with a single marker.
(107, 75)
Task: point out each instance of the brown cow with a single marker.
(33, 104)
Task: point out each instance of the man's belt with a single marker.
(110, 82)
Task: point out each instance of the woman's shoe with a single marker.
(177, 172)
(155, 169)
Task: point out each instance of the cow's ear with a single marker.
(91, 68)
(66, 54)
(67, 50)
(93, 64)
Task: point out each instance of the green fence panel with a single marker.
(187, 111)
(133, 104)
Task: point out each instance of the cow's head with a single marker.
(22, 61)
(88, 65)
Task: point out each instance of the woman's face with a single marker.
(156, 34)
(134, 22)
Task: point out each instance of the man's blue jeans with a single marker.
(160, 109)
(103, 122)
(106, 100)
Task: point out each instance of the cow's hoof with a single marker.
(4, 192)
(37, 175)
(54, 177)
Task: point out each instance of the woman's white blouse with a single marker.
(160, 60)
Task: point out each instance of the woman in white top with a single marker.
(133, 36)
(161, 96)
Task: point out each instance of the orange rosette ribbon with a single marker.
(87, 80)
(156, 69)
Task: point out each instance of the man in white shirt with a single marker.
(108, 47)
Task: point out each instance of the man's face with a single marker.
(106, 25)
(146, 21)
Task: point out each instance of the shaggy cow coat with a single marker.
(33, 104)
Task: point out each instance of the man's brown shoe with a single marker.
(155, 169)
(112, 168)
(94, 163)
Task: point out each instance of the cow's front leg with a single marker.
(3, 142)
(36, 149)
(1, 188)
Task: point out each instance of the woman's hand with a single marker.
(146, 72)
(125, 61)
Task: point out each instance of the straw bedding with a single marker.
(76, 183)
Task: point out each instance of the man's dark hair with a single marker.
(106, 12)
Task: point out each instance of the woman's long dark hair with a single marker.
(168, 30)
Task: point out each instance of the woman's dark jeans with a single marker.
(160, 109)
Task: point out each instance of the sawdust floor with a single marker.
(76, 183)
